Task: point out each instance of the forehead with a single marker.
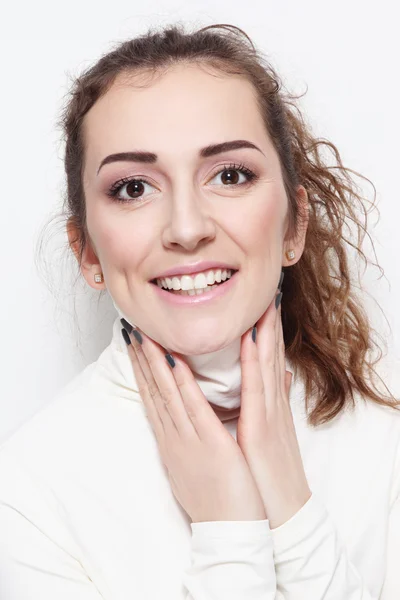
(182, 90)
(186, 107)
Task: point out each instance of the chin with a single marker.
(204, 343)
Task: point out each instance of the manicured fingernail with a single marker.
(278, 300)
(127, 325)
(254, 333)
(281, 281)
(137, 336)
(126, 337)
(170, 360)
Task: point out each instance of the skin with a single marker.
(187, 213)
(190, 215)
(261, 475)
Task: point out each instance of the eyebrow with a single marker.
(151, 157)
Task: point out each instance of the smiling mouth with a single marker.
(198, 291)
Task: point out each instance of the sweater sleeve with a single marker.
(231, 559)
(311, 561)
(32, 564)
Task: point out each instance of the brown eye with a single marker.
(134, 188)
(231, 176)
(129, 189)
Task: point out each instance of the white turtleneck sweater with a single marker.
(87, 513)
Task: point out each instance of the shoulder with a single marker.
(382, 417)
(82, 421)
(364, 417)
(53, 419)
(372, 433)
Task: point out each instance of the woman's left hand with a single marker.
(265, 428)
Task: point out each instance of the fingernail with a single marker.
(170, 360)
(278, 300)
(254, 333)
(126, 337)
(137, 336)
(127, 325)
(281, 281)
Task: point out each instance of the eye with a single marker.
(232, 177)
(134, 187)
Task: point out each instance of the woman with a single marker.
(185, 462)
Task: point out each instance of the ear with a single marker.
(90, 264)
(298, 243)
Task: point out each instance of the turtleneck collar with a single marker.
(218, 374)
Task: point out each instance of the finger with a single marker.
(204, 420)
(152, 387)
(280, 355)
(168, 397)
(183, 398)
(266, 344)
(252, 406)
(148, 402)
(286, 380)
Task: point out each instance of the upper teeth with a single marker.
(195, 282)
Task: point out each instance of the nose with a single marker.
(189, 224)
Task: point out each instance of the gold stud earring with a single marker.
(290, 254)
(98, 278)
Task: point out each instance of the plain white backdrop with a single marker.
(345, 53)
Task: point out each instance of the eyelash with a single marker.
(118, 185)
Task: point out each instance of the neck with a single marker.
(218, 375)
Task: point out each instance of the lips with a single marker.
(193, 269)
(233, 271)
(213, 295)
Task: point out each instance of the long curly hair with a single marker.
(327, 334)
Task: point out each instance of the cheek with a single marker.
(262, 226)
(268, 225)
(120, 242)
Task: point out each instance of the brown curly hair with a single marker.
(326, 331)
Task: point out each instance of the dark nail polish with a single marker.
(170, 360)
(278, 300)
(281, 281)
(254, 333)
(127, 325)
(126, 337)
(137, 336)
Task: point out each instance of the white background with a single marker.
(346, 53)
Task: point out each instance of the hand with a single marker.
(265, 428)
(207, 471)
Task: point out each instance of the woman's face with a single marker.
(190, 208)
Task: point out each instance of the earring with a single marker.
(98, 278)
(290, 254)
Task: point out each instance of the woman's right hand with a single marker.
(208, 472)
